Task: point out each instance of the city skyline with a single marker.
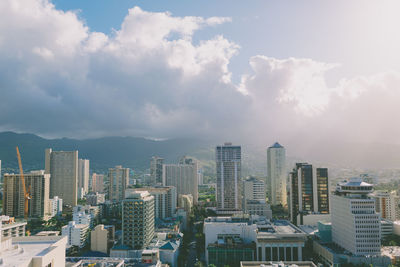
(319, 87)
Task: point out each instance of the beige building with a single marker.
(99, 239)
(118, 178)
(98, 182)
(83, 177)
(386, 203)
(63, 168)
(183, 177)
(164, 200)
(10, 228)
(14, 202)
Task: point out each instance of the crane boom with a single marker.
(26, 194)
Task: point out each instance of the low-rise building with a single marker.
(33, 251)
(77, 233)
(55, 206)
(85, 214)
(276, 263)
(102, 238)
(11, 228)
(95, 198)
(230, 250)
(258, 207)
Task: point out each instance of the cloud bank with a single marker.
(149, 78)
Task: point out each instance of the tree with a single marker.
(199, 264)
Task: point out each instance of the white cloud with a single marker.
(150, 79)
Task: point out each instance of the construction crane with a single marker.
(27, 193)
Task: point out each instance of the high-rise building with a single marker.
(1, 177)
(229, 186)
(355, 224)
(98, 182)
(156, 170)
(83, 176)
(164, 200)
(118, 178)
(276, 177)
(182, 176)
(386, 204)
(309, 191)
(322, 186)
(63, 169)
(254, 198)
(14, 200)
(137, 219)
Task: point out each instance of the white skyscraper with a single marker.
(229, 186)
(83, 176)
(183, 177)
(276, 177)
(254, 198)
(355, 224)
(63, 169)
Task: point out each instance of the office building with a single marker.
(77, 233)
(156, 170)
(280, 241)
(101, 238)
(137, 219)
(118, 179)
(387, 204)
(164, 200)
(254, 202)
(83, 177)
(63, 169)
(276, 175)
(277, 263)
(309, 191)
(230, 250)
(97, 183)
(55, 206)
(14, 201)
(253, 189)
(182, 176)
(355, 223)
(321, 202)
(229, 185)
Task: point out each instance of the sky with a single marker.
(246, 71)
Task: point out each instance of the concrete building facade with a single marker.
(276, 175)
(164, 200)
(118, 179)
(355, 223)
(38, 183)
(83, 177)
(183, 177)
(137, 219)
(63, 169)
(229, 186)
(156, 170)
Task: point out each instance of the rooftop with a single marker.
(276, 145)
(23, 249)
(277, 264)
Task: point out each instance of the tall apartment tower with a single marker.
(229, 186)
(63, 169)
(164, 200)
(137, 219)
(14, 201)
(183, 177)
(276, 176)
(386, 204)
(98, 182)
(156, 170)
(355, 224)
(309, 191)
(83, 176)
(118, 178)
